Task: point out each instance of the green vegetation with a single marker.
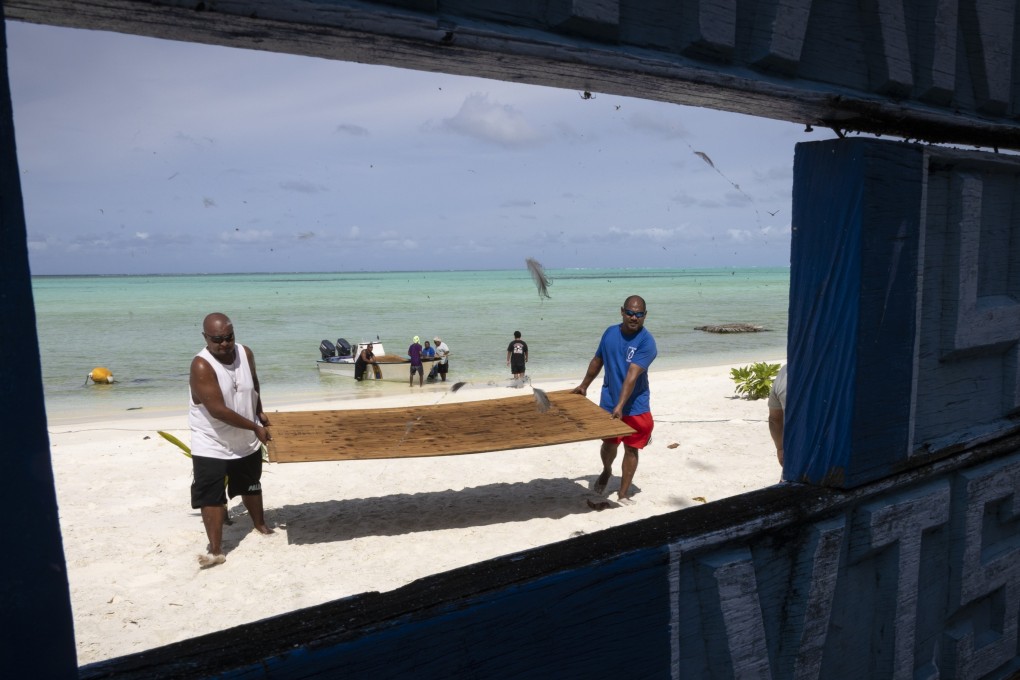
(754, 381)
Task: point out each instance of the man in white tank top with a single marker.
(228, 429)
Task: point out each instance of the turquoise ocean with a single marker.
(146, 329)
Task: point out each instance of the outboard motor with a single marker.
(343, 348)
(327, 350)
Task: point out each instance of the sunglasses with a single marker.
(217, 339)
(636, 315)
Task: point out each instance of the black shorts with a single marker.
(417, 369)
(243, 475)
(443, 368)
(516, 367)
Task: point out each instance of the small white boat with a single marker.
(341, 359)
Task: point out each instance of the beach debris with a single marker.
(700, 499)
(731, 328)
(541, 400)
(600, 503)
(456, 386)
(100, 376)
(538, 274)
(673, 445)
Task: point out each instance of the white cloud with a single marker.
(739, 235)
(490, 121)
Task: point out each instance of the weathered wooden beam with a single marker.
(755, 58)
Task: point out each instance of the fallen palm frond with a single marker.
(176, 442)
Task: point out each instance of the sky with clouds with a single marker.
(150, 156)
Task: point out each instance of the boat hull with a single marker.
(397, 371)
(390, 367)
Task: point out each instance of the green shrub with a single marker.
(754, 381)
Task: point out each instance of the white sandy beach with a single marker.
(342, 528)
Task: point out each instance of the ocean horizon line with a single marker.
(522, 270)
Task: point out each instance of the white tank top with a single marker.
(214, 438)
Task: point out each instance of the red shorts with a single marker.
(644, 424)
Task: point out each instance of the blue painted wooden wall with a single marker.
(38, 631)
(904, 308)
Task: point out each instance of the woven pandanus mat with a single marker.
(438, 430)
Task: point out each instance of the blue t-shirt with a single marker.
(618, 352)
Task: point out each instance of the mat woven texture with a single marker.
(438, 430)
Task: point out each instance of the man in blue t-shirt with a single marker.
(626, 351)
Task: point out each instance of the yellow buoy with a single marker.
(100, 375)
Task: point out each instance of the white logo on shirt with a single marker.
(630, 353)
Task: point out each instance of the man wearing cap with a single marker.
(442, 357)
(414, 352)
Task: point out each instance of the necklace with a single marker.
(232, 371)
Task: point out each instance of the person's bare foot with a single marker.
(600, 484)
(264, 530)
(210, 560)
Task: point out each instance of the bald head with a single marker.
(634, 300)
(218, 332)
(215, 321)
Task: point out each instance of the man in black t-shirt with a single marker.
(517, 356)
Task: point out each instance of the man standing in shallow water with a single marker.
(228, 429)
(626, 351)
